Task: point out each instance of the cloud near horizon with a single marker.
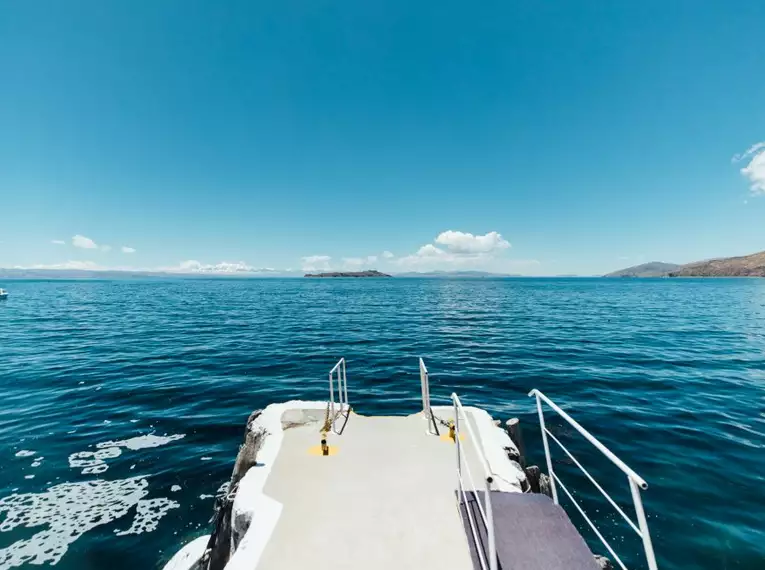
(358, 262)
(83, 242)
(462, 242)
(194, 266)
(459, 249)
(71, 264)
(126, 249)
(184, 267)
(315, 262)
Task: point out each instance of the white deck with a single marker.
(385, 500)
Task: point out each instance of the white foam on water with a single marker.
(95, 469)
(148, 514)
(37, 462)
(94, 462)
(142, 441)
(175, 488)
(205, 458)
(203, 496)
(69, 510)
(29, 476)
(25, 453)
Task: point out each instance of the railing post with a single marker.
(332, 397)
(643, 523)
(345, 384)
(427, 411)
(457, 438)
(547, 451)
(490, 527)
(424, 387)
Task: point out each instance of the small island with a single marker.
(368, 273)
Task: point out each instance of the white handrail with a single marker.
(591, 438)
(486, 512)
(635, 481)
(338, 371)
(427, 410)
(425, 386)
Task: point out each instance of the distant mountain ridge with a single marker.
(453, 274)
(741, 266)
(650, 269)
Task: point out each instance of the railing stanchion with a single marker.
(345, 384)
(643, 523)
(457, 440)
(490, 527)
(338, 371)
(547, 451)
(332, 397)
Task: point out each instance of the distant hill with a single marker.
(453, 274)
(651, 269)
(744, 266)
(368, 273)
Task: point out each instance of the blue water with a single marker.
(668, 373)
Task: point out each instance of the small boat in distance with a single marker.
(3, 294)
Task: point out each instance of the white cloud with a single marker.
(194, 266)
(84, 242)
(66, 265)
(387, 254)
(58, 241)
(315, 262)
(356, 262)
(750, 151)
(316, 259)
(462, 242)
(430, 250)
(126, 249)
(461, 250)
(755, 170)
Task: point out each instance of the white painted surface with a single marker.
(187, 556)
(260, 513)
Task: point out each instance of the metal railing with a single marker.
(426, 409)
(485, 511)
(635, 481)
(338, 374)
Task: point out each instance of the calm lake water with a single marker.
(122, 404)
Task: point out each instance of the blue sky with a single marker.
(529, 137)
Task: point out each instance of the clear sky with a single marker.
(566, 137)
